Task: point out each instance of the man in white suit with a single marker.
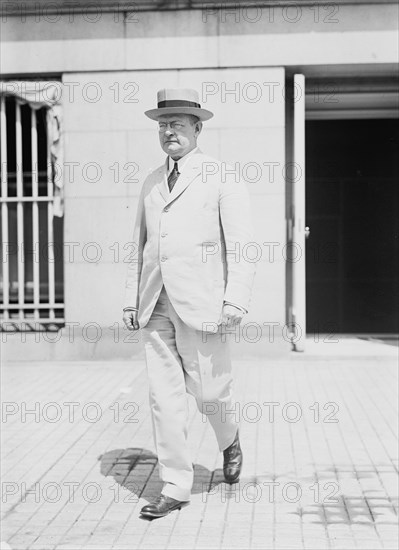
(188, 279)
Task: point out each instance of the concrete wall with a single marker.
(103, 136)
(280, 36)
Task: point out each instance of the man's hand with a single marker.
(130, 320)
(231, 315)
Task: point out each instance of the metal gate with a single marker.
(32, 249)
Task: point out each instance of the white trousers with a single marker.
(179, 360)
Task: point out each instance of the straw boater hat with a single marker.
(178, 101)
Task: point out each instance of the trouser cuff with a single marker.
(175, 492)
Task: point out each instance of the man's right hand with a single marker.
(130, 320)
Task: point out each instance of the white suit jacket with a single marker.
(195, 240)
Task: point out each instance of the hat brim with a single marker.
(202, 114)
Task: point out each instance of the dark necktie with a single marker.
(173, 176)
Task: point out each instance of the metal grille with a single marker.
(32, 251)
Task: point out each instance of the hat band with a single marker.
(178, 103)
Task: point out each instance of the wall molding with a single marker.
(59, 7)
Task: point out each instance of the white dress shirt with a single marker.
(180, 163)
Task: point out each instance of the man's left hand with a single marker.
(231, 315)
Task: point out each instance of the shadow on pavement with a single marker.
(136, 469)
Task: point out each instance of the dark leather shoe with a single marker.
(232, 463)
(162, 506)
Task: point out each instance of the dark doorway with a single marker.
(352, 209)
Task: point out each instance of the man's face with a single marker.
(178, 134)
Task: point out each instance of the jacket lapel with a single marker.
(163, 181)
(191, 170)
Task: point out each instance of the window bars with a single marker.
(32, 246)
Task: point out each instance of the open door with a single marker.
(296, 226)
(352, 202)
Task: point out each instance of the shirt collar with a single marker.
(181, 162)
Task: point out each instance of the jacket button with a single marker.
(163, 259)
(166, 209)
(163, 234)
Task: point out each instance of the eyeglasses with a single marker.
(163, 126)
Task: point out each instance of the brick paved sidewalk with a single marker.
(320, 466)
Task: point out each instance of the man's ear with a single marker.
(198, 128)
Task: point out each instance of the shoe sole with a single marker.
(152, 515)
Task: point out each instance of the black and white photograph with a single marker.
(199, 281)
